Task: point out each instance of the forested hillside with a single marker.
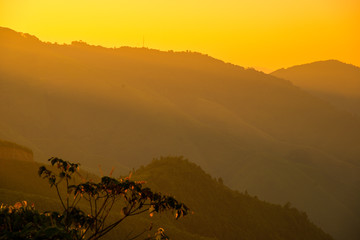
(223, 213)
(218, 212)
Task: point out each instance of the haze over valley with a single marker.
(288, 136)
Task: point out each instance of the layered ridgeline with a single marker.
(18, 174)
(334, 81)
(117, 107)
(13, 151)
(219, 213)
(11, 154)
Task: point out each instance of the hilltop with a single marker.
(117, 107)
(332, 80)
(223, 213)
(18, 173)
(10, 150)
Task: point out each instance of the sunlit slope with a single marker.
(337, 82)
(120, 107)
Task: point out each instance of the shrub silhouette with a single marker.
(25, 222)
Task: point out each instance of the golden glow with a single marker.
(266, 34)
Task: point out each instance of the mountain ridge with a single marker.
(318, 62)
(332, 80)
(117, 108)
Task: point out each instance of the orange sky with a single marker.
(265, 34)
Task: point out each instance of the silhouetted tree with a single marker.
(23, 222)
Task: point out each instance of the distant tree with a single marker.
(23, 222)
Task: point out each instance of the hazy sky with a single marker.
(265, 34)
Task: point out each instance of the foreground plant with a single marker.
(21, 221)
(101, 197)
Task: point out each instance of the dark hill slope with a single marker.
(118, 107)
(334, 81)
(220, 212)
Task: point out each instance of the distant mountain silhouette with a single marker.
(18, 172)
(13, 151)
(120, 107)
(334, 81)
